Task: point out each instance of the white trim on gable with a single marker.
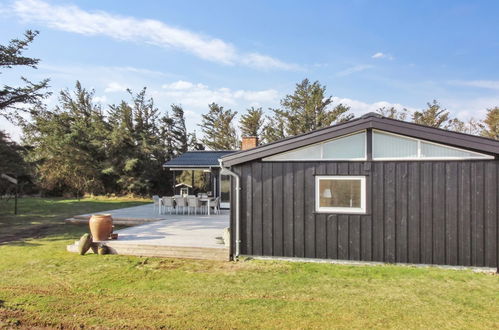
(421, 157)
(277, 157)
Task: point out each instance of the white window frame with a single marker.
(419, 156)
(351, 210)
(321, 144)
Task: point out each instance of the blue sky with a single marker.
(244, 53)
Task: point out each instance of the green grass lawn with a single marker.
(43, 285)
(40, 216)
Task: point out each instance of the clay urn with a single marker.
(101, 226)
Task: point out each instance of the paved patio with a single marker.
(136, 212)
(179, 230)
(190, 236)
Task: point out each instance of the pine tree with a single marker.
(194, 143)
(11, 161)
(392, 112)
(471, 126)
(251, 122)
(122, 147)
(218, 129)
(166, 135)
(434, 116)
(308, 109)
(274, 129)
(69, 143)
(179, 131)
(30, 93)
(492, 123)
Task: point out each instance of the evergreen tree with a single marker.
(122, 148)
(12, 163)
(143, 173)
(471, 126)
(491, 122)
(308, 109)
(141, 142)
(179, 132)
(11, 160)
(434, 116)
(11, 98)
(251, 122)
(274, 129)
(166, 135)
(194, 143)
(393, 113)
(218, 129)
(69, 143)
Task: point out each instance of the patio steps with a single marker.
(144, 250)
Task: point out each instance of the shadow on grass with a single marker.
(50, 232)
(43, 218)
(19, 243)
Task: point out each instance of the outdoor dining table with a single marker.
(208, 201)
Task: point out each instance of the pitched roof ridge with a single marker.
(377, 121)
(438, 128)
(210, 151)
(372, 114)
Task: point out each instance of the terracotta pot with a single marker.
(101, 226)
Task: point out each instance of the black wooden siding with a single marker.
(438, 212)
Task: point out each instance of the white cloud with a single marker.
(354, 69)
(199, 95)
(100, 99)
(71, 18)
(380, 55)
(360, 108)
(266, 62)
(136, 70)
(113, 87)
(181, 84)
(471, 108)
(487, 84)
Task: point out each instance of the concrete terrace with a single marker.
(184, 236)
(126, 216)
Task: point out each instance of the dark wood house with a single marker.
(371, 189)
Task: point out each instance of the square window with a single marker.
(340, 194)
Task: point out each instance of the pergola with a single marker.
(206, 161)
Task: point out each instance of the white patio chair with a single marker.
(168, 204)
(193, 202)
(181, 203)
(215, 205)
(155, 200)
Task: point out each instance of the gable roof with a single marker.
(370, 120)
(197, 159)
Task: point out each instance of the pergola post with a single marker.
(174, 181)
(192, 181)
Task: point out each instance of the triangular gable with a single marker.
(369, 121)
(390, 146)
(347, 147)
